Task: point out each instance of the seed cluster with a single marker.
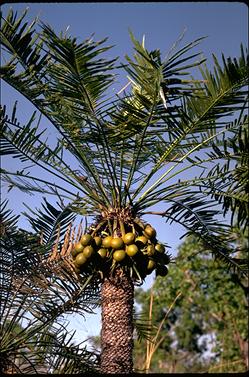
(133, 247)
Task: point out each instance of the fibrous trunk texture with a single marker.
(117, 298)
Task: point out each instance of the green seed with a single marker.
(151, 264)
(78, 248)
(102, 252)
(97, 241)
(117, 243)
(161, 270)
(106, 242)
(88, 251)
(119, 255)
(131, 250)
(86, 239)
(80, 260)
(150, 249)
(129, 238)
(141, 240)
(160, 248)
(149, 231)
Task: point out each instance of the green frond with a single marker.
(143, 327)
(61, 111)
(25, 143)
(7, 219)
(62, 356)
(198, 122)
(48, 220)
(26, 64)
(35, 294)
(195, 211)
(231, 189)
(78, 77)
(224, 90)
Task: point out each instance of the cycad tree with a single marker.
(160, 142)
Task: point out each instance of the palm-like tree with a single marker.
(166, 139)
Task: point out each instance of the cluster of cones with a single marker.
(130, 247)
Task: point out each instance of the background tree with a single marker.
(115, 159)
(206, 329)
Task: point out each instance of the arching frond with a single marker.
(35, 294)
(48, 220)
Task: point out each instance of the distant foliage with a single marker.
(207, 328)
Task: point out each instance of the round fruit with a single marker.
(80, 260)
(129, 238)
(151, 265)
(142, 240)
(88, 251)
(86, 239)
(97, 241)
(117, 243)
(78, 248)
(131, 250)
(119, 255)
(149, 231)
(106, 242)
(150, 249)
(161, 270)
(160, 248)
(102, 252)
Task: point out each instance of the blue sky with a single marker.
(224, 23)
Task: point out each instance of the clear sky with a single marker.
(224, 23)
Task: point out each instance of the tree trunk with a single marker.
(117, 298)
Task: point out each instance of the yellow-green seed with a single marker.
(117, 243)
(119, 255)
(106, 242)
(131, 250)
(80, 260)
(129, 238)
(88, 251)
(86, 239)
